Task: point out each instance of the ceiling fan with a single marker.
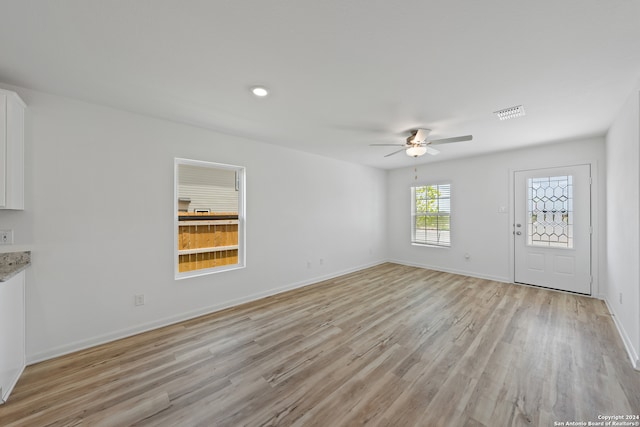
(417, 143)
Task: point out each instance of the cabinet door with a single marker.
(3, 149)
(12, 331)
(15, 154)
(11, 151)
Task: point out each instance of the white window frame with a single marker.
(241, 185)
(430, 243)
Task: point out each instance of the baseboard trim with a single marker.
(4, 394)
(633, 354)
(167, 321)
(453, 271)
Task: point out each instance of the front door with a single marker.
(552, 229)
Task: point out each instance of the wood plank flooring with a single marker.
(387, 346)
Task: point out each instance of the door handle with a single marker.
(518, 232)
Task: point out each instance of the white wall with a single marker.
(623, 223)
(99, 222)
(480, 187)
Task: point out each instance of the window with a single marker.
(209, 218)
(431, 215)
(550, 211)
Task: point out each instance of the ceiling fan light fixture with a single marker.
(510, 113)
(416, 151)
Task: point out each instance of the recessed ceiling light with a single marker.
(259, 91)
(510, 113)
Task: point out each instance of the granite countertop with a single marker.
(11, 263)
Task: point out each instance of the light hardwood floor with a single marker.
(391, 346)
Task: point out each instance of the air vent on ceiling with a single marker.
(510, 113)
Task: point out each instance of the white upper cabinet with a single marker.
(12, 110)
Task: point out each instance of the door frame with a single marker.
(598, 212)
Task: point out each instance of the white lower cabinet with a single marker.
(12, 333)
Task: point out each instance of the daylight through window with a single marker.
(209, 214)
(431, 215)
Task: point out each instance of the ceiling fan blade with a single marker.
(421, 135)
(386, 145)
(432, 151)
(454, 139)
(395, 152)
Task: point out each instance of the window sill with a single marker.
(207, 271)
(427, 245)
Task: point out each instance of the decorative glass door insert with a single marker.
(550, 211)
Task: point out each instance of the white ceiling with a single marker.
(342, 73)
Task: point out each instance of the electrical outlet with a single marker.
(308, 264)
(138, 299)
(6, 237)
(620, 296)
(321, 261)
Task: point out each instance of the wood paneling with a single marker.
(389, 346)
